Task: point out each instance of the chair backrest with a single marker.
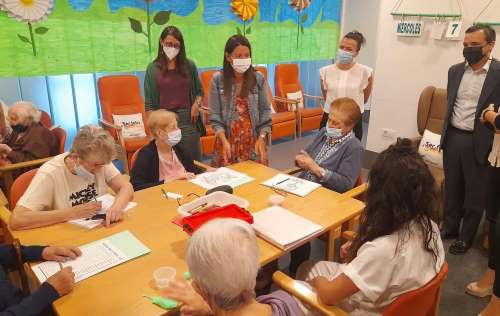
(206, 80)
(263, 71)
(60, 135)
(286, 80)
(432, 107)
(120, 95)
(420, 302)
(45, 119)
(134, 158)
(19, 186)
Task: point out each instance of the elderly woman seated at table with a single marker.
(28, 140)
(223, 258)
(66, 187)
(162, 160)
(334, 157)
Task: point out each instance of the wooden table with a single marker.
(119, 291)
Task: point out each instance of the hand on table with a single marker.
(60, 254)
(192, 304)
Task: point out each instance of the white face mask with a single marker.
(171, 52)
(82, 172)
(241, 65)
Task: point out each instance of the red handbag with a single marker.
(191, 223)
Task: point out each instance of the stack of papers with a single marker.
(96, 257)
(283, 228)
(292, 184)
(107, 200)
(221, 176)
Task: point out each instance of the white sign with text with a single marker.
(410, 28)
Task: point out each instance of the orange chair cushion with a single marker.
(310, 112)
(280, 117)
(132, 144)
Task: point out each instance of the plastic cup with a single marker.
(163, 276)
(276, 199)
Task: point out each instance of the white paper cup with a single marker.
(276, 199)
(163, 276)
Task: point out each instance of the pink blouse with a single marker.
(170, 169)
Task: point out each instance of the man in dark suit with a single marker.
(472, 86)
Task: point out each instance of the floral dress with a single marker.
(241, 139)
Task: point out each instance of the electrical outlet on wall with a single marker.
(389, 133)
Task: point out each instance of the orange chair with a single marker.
(134, 158)
(286, 80)
(207, 141)
(283, 121)
(60, 135)
(420, 302)
(19, 186)
(121, 95)
(45, 119)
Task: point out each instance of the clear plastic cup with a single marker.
(163, 276)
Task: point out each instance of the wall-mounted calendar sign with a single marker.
(410, 28)
(453, 31)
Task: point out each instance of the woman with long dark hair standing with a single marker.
(398, 247)
(172, 83)
(240, 113)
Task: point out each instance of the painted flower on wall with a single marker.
(299, 6)
(29, 11)
(245, 10)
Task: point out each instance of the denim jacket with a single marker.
(222, 112)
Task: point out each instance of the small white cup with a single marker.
(276, 199)
(163, 276)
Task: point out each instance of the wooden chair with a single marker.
(305, 295)
(286, 80)
(207, 141)
(284, 122)
(121, 95)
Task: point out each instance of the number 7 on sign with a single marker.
(453, 30)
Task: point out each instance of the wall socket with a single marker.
(389, 133)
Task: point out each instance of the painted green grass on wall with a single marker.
(97, 40)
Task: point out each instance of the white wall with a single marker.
(404, 66)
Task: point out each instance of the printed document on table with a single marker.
(221, 176)
(96, 257)
(292, 184)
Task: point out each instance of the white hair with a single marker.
(27, 111)
(94, 140)
(223, 258)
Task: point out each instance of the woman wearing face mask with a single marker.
(162, 160)
(172, 83)
(66, 187)
(334, 158)
(347, 78)
(240, 112)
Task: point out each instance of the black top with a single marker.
(11, 299)
(146, 173)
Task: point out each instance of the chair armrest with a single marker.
(201, 165)
(293, 170)
(316, 97)
(349, 235)
(110, 125)
(356, 192)
(285, 100)
(4, 214)
(24, 164)
(305, 295)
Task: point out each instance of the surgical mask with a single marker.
(344, 57)
(171, 52)
(173, 137)
(241, 65)
(84, 173)
(19, 128)
(333, 132)
(473, 55)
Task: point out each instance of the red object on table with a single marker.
(191, 223)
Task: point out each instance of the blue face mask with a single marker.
(84, 173)
(344, 57)
(173, 137)
(333, 132)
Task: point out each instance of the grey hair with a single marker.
(223, 258)
(93, 140)
(27, 111)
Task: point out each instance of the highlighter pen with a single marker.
(282, 181)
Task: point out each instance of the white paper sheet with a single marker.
(222, 176)
(292, 184)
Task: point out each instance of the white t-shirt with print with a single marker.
(349, 83)
(55, 187)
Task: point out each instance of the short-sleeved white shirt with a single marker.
(55, 187)
(349, 83)
(381, 275)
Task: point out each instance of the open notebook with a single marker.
(97, 257)
(291, 184)
(221, 176)
(283, 228)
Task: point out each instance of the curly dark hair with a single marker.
(401, 191)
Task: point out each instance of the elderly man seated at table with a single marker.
(334, 157)
(28, 140)
(223, 258)
(66, 187)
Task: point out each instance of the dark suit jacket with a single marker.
(146, 173)
(483, 134)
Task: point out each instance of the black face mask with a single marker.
(18, 128)
(473, 55)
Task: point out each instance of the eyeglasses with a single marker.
(174, 45)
